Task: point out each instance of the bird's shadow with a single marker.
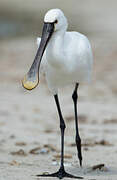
(87, 171)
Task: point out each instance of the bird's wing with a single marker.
(43, 61)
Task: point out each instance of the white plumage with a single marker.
(68, 56)
(65, 58)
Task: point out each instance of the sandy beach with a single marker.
(29, 124)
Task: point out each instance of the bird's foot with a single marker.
(61, 173)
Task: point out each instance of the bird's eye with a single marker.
(56, 21)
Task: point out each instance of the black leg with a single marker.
(62, 127)
(78, 139)
(61, 173)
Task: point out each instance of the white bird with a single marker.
(66, 58)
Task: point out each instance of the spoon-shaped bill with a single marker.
(31, 79)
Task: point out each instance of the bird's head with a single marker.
(54, 21)
(56, 17)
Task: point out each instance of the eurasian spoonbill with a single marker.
(66, 58)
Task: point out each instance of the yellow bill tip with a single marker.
(28, 84)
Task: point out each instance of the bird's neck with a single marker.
(55, 48)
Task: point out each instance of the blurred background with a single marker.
(21, 22)
(31, 116)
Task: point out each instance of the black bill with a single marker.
(31, 79)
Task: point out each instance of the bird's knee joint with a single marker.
(74, 96)
(62, 126)
(78, 139)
